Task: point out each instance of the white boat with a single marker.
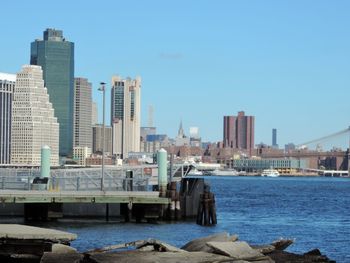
(224, 172)
(270, 173)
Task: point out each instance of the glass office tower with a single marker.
(56, 57)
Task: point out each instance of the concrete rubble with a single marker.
(220, 247)
(215, 248)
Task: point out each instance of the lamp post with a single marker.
(103, 89)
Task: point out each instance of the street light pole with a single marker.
(103, 89)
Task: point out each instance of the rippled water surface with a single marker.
(314, 211)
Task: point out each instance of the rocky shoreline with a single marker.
(26, 244)
(215, 248)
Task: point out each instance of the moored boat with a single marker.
(224, 172)
(270, 173)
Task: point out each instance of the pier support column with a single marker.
(162, 172)
(45, 161)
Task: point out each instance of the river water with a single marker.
(313, 211)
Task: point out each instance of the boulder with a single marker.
(237, 250)
(200, 244)
(280, 256)
(157, 246)
(50, 257)
(282, 244)
(63, 249)
(264, 249)
(151, 257)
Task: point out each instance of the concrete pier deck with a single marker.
(135, 197)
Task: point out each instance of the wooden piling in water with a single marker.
(206, 208)
(107, 212)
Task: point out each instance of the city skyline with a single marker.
(284, 63)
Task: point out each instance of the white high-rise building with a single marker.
(82, 136)
(80, 154)
(33, 122)
(125, 115)
(7, 84)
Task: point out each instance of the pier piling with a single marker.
(206, 213)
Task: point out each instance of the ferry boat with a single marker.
(224, 172)
(270, 173)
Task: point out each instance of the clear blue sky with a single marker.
(285, 62)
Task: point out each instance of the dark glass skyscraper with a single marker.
(56, 57)
(274, 138)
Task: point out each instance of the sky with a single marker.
(285, 62)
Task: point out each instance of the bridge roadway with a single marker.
(304, 154)
(42, 196)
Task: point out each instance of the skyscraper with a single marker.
(56, 57)
(7, 84)
(33, 122)
(94, 114)
(274, 138)
(97, 141)
(239, 132)
(125, 115)
(82, 113)
(230, 132)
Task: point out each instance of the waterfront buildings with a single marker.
(97, 141)
(282, 165)
(56, 57)
(82, 113)
(7, 84)
(125, 115)
(33, 121)
(289, 147)
(239, 132)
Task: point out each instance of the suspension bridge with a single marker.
(338, 159)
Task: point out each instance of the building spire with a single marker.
(180, 134)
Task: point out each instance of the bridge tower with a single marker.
(349, 153)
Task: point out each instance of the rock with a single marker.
(148, 248)
(233, 238)
(280, 256)
(238, 250)
(282, 244)
(63, 249)
(158, 246)
(50, 257)
(264, 249)
(200, 244)
(314, 252)
(151, 257)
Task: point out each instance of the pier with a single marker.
(119, 197)
(129, 192)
